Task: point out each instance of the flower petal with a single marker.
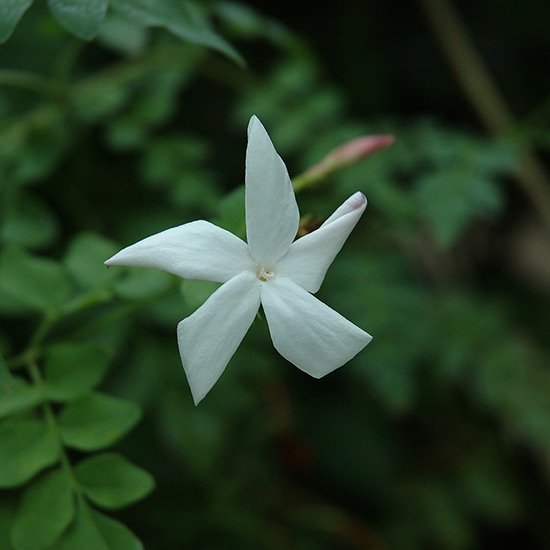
(272, 215)
(309, 257)
(306, 331)
(196, 250)
(208, 339)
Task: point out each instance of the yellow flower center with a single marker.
(265, 274)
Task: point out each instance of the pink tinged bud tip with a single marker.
(360, 147)
(351, 152)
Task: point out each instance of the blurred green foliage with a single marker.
(436, 436)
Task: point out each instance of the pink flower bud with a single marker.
(349, 153)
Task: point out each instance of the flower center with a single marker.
(264, 274)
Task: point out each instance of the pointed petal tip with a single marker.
(197, 398)
(197, 393)
(355, 204)
(253, 122)
(209, 337)
(367, 340)
(113, 260)
(357, 200)
(307, 332)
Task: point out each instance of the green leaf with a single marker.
(85, 259)
(16, 396)
(96, 421)
(231, 212)
(111, 481)
(82, 533)
(28, 446)
(31, 282)
(100, 96)
(46, 510)
(32, 145)
(178, 17)
(141, 283)
(452, 198)
(195, 293)
(173, 156)
(154, 103)
(81, 17)
(10, 13)
(94, 531)
(123, 35)
(73, 369)
(245, 22)
(28, 222)
(117, 536)
(181, 164)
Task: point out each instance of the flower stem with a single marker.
(346, 154)
(51, 421)
(485, 97)
(303, 181)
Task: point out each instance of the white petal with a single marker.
(306, 331)
(309, 258)
(356, 203)
(208, 339)
(196, 250)
(272, 215)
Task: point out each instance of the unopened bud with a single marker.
(344, 155)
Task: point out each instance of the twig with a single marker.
(485, 97)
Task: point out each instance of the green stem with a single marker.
(35, 350)
(123, 312)
(485, 96)
(303, 181)
(5, 375)
(51, 421)
(47, 323)
(31, 81)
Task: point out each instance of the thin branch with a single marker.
(485, 97)
(33, 82)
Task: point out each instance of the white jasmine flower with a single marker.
(271, 271)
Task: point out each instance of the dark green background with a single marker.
(437, 435)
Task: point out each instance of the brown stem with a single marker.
(485, 97)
